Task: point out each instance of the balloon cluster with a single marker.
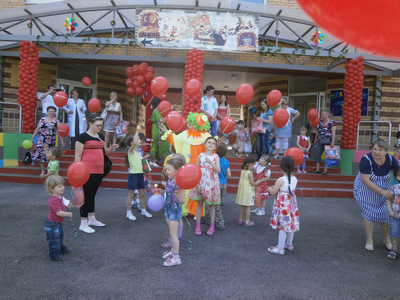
(192, 82)
(313, 117)
(28, 84)
(353, 89)
(138, 76)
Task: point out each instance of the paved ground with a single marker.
(123, 260)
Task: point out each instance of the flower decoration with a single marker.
(318, 38)
(70, 24)
(29, 24)
(112, 22)
(277, 32)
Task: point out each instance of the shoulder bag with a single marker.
(104, 113)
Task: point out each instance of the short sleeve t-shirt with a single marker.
(209, 105)
(55, 205)
(53, 166)
(46, 102)
(325, 131)
(224, 163)
(390, 164)
(265, 116)
(93, 152)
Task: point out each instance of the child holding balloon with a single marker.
(303, 143)
(208, 189)
(173, 211)
(52, 156)
(263, 173)
(135, 179)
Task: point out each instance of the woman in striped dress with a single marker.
(371, 189)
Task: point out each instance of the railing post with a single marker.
(1, 78)
(377, 108)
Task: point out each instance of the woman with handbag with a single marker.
(90, 148)
(325, 136)
(111, 114)
(263, 137)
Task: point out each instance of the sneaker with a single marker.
(261, 213)
(276, 156)
(172, 262)
(131, 217)
(86, 229)
(256, 210)
(304, 171)
(96, 223)
(276, 250)
(145, 213)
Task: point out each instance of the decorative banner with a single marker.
(202, 30)
(337, 98)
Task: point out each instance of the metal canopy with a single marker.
(276, 25)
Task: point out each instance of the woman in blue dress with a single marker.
(283, 134)
(371, 189)
(263, 138)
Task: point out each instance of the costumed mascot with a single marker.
(190, 143)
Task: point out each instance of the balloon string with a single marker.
(123, 138)
(72, 201)
(178, 107)
(253, 141)
(149, 101)
(238, 108)
(191, 233)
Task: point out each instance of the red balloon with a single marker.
(129, 82)
(174, 120)
(227, 124)
(130, 91)
(164, 108)
(94, 105)
(244, 93)
(274, 98)
(63, 130)
(60, 99)
(337, 17)
(183, 127)
(315, 122)
(188, 176)
(159, 86)
(312, 114)
(86, 81)
(78, 174)
(281, 117)
(148, 77)
(297, 155)
(140, 80)
(193, 87)
(139, 91)
(162, 97)
(129, 72)
(141, 70)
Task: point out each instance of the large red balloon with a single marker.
(244, 93)
(315, 122)
(281, 117)
(86, 81)
(63, 130)
(164, 108)
(174, 120)
(312, 114)
(297, 155)
(78, 174)
(227, 124)
(274, 98)
(193, 87)
(363, 31)
(60, 99)
(159, 86)
(188, 176)
(94, 105)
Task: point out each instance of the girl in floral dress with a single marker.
(263, 173)
(245, 195)
(285, 214)
(208, 189)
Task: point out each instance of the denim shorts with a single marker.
(394, 228)
(136, 182)
(173, 211)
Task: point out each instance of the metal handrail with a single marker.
(19, 114)
(374, 122)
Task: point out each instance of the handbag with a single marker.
(27, 158)
(332, 152)
(104, 113)
(107, 165)
(121, 127)
(325, 140)
(257, 126)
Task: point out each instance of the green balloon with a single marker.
(27, 144)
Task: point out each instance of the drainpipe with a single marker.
(377, 107)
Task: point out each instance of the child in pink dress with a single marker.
(303, 143)
(262, 174)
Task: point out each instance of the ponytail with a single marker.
(287, 165)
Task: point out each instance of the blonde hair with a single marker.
(267, 159)
(113, 93)
(179, 157)
(52, 181)
(303, 128)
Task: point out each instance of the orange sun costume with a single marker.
(190, 143)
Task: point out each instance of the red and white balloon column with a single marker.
(28, 84)
(138, 75)
(192, 82)
(353, 90)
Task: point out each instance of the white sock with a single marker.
(282, 239)
(92, 219)
(262, 208)
(128, 213)
(289, 239)
(84, 223)
(143, 210)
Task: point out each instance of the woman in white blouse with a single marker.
(76, 116)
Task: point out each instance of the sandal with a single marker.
(392, 255)
(316, 172)
(241, 221)
(369, 247)
(167, 254)
(325, 173)
(248, 223)
(289, 247)
(388, 245)
(211, 231)
(197, 231)
(172, 262)
(276, 250)
(66, 251)
(167, 244)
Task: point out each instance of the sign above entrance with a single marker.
(337, 98)
(193, 29)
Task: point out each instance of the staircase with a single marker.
(333, 185)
